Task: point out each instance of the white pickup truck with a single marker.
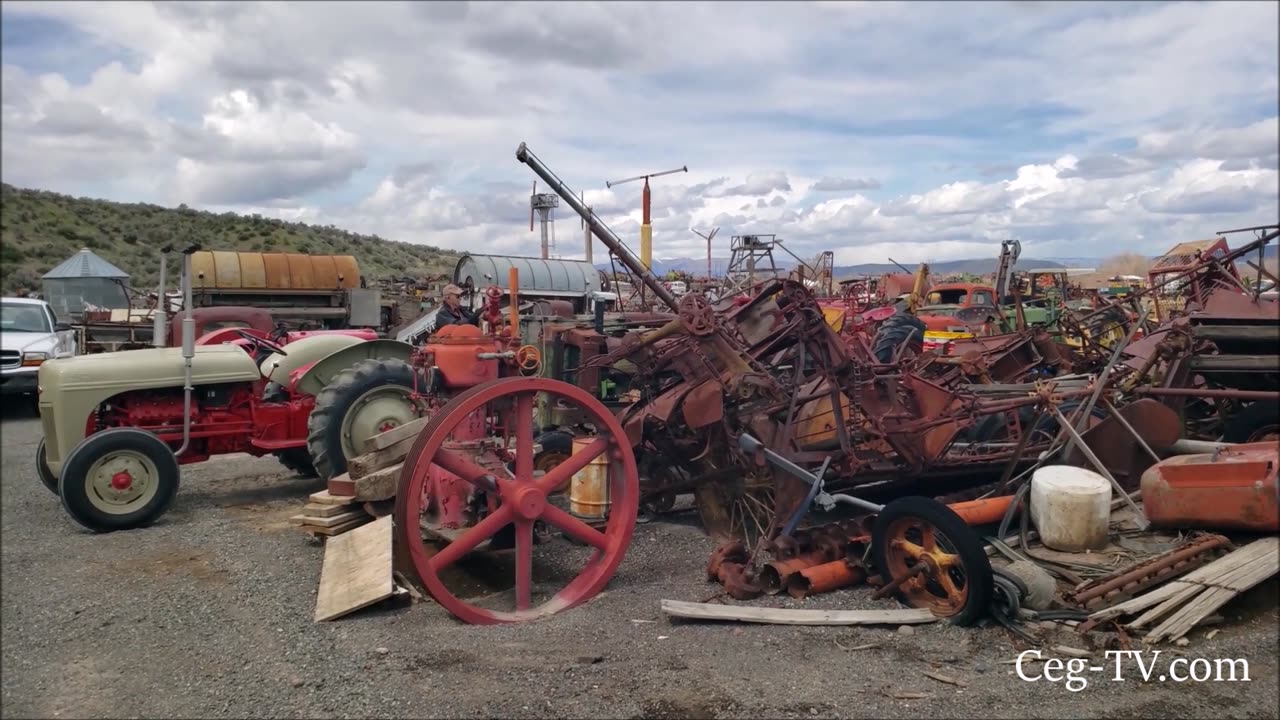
(29, 335)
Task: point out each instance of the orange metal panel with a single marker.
(277, 269)
(348, 271)
(326, 274)
(301, 275)
(202, 274)
(227, 266)
(253, 272)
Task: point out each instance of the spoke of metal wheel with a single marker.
(462, 467)
(572, 464)
(524, 437)
(471, 539)
(927, 538)
(573, 527)
(524, 563)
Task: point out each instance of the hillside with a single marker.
(40, 229)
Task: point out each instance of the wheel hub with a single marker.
(528, 502)
(122, 480)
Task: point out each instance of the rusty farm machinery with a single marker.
(745, 405)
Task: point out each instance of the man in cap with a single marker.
(451, 311)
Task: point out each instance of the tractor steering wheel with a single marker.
(261, 342)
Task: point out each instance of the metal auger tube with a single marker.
(602, 231)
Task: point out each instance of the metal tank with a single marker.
(227, 270)
(573, 280)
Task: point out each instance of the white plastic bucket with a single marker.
(1071, 508)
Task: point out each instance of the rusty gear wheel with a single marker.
(697, 315)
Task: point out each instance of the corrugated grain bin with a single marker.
(227, 270)
(565, 278)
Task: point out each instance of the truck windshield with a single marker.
(23, 318)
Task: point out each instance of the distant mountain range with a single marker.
(977, 266)
(973, 266)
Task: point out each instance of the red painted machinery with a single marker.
(469, 487)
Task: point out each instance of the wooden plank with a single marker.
(337, 529)
(1251, 553)
(782, 616)
(342, 486)
(358, 467)
(1226, 588)
(328, 522)
(356, 571)
(379, 484)
(394, 435)
(323, 511)
(324, 497)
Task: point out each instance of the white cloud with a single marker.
(1069, 125)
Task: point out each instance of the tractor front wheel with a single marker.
(47, 478)
(368, 398)
(297, 461)
(118, 479)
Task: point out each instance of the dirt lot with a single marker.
(209, 614)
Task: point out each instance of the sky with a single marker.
(919, 131)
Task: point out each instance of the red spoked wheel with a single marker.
(517, 498)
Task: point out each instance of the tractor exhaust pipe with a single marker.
(162, 305)
(611, 241)
(188, 347)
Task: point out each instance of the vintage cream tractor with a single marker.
(117, 426)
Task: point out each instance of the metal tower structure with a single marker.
(543, 204)
(750, 261)
(646, 228)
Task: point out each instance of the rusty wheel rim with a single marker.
(521, 498)
(545, 462)
(943, 586)
(1264, 434)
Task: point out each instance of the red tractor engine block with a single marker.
(448, 499)
(457, 352)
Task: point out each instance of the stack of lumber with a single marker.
(327, 515)
(1185, 602)
(373, 476)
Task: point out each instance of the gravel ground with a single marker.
(209, 614)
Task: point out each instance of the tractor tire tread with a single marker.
(324, 425)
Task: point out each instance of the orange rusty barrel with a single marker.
(235, 271)
(589, 487)
(1234, 489)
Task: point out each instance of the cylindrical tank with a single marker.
(538, 277)
(225, 270)
(589, 488)
(1070, 507)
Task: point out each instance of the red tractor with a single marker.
(118, 425)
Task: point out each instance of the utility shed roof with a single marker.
(85, 264)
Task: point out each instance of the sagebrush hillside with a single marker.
(40, 229)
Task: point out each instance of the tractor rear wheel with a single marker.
(894, 331)
(368, 398)
(118, 479)
(47, 478)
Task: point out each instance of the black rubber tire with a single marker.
(47, 478)
(75, 496)
(895, 330)
(555, 441)
(324, 426)
(964, 540)
(298, 461)
(1255, 416)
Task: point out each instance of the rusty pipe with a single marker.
(983, 512)
(775, 575)
(513, 282)
(1151, 570)
(1225, 394)
(824, 578)
(602, 231)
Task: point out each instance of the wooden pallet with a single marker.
(327, 515)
